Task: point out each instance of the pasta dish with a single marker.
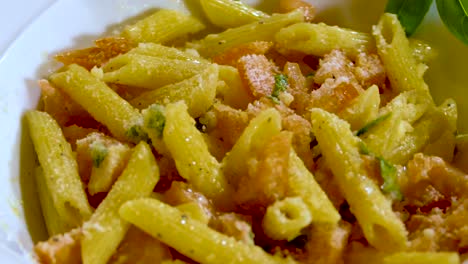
(274, 139)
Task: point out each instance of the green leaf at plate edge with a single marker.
(410, 12)
(454, 15)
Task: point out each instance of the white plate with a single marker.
(69, 23)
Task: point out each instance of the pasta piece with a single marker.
(234, 93)
(108, 157)
(123, 121)
(291, 5)
(161, 51)
(190, 152)
(302, 183)
(260, 129)
(139, 247)
(62, 181)
(53, 222)
(320, 39)
(263, 30)
(190, 237)
(381, 226)
(285, 219)
(422, 258)
(387, 138)
(228, 14)
(195, 211)
(198, 93)
(403, 71)
(363, 109)
(149, 72)
(105, 230)
(154, 122)
(162, 27)
(297, 87)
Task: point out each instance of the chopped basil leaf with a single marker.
(98, 153)
(363, 149)
(136, 134)
(156, 119)
(372, 124)
(281, 85)
(390, 186)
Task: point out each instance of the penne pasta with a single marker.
(162, 27)
(149, 72)
(60, 170)
(105, 230)
(381, 226)
(190, 152)
(52, 219)
(285, 219)
(263, 30)
(106, 106)
(228, 14)
(403, 71)
(190, 237)
(302, 183)
(198, 93)
(320, 39)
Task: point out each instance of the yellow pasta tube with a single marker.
(60, 170)
(302, 183)
(232, 90)
(260, 129)
(190, 237)
(158, 50)
(52, 219)
(105, 105)
(403, 71)
(229, 14)
(190, 152)
(263, 30)
(105, 230)
(422, 258)
(198, 93)
(149, 72)
(285, 219)
(381, 226)
(363, 109)
(320, 39)
(163, 26)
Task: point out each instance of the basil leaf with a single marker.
(281, 85)
(454, 14)
(98, 153)
(410, 12)
(372, 124)
(389, 175)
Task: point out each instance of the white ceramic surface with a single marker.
(76, 23)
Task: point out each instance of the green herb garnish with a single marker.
(98, 153)
(156, 119)
(281, 85)
(410, 12)
(454, 14)
(136, 134)
(389, 176)
(372, 124)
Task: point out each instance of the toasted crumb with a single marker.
(64, 248)
(258, 73)
(232, 55)
(370, 70)
(286, 6)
